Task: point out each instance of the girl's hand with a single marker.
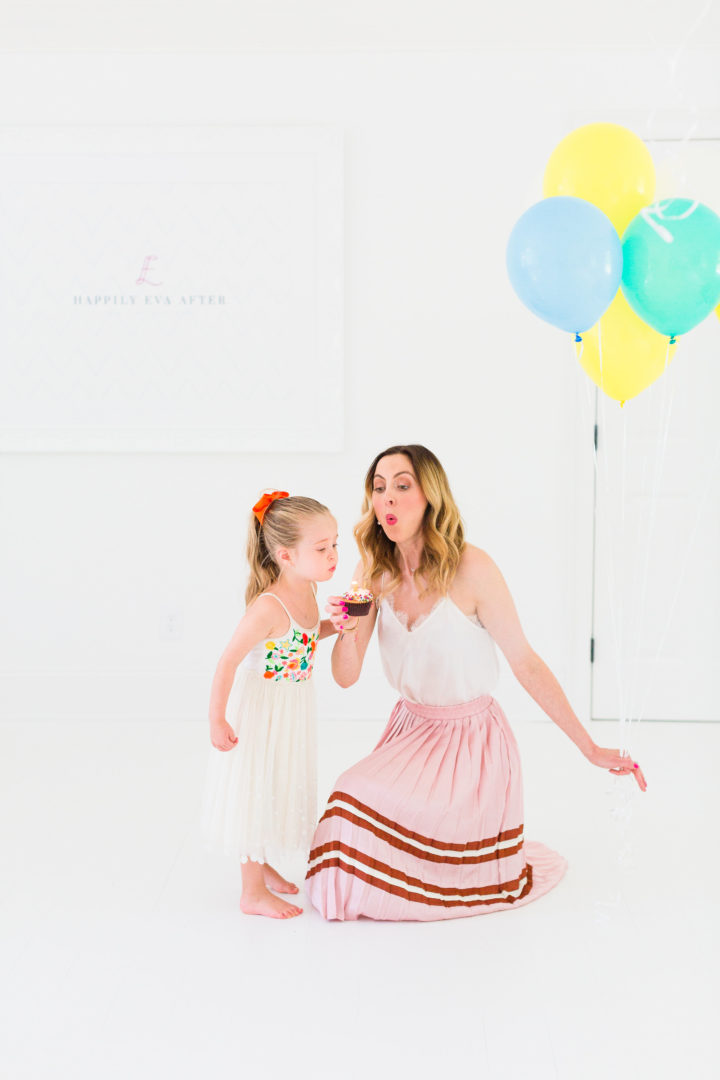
(617, 763)
(337, 612)
(222, 735)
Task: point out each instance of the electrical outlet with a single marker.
(171, 627)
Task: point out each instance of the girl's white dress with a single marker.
(261, 796)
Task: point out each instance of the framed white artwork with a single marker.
(171, 289)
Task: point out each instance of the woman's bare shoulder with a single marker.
(475, 562)
(479, 579)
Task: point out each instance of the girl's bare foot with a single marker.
(262, 902)
(274, 881)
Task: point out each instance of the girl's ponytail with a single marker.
(263, 568)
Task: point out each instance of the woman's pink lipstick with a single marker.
(391, 519)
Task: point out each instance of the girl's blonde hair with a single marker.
(443, 534)
(282, 527)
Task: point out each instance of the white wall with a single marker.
(444, 150)
(351, 25)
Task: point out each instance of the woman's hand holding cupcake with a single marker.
(345, 611)
(337, 612)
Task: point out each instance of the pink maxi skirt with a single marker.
(430, 824)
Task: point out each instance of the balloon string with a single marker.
(620, 808)
(600, 355)
(645, 548)
(702, 503)
(591, 404)
(622, 613)
(603, 475)
(704, 499)
(614, 596)
(593, 408)
(616, 556)
(691, 107)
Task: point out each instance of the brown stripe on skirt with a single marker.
(392, 871)
(508, 834)
(397, 890)
(394, 841)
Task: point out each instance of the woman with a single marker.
(430, 824)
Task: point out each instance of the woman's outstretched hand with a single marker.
(617, 763)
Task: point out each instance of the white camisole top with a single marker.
(445, 659)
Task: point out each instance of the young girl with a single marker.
(261, 789)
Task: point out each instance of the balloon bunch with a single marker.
(630, 298)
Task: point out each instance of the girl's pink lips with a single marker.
(391, 519)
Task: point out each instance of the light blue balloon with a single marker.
(671, 264)
(564, 259)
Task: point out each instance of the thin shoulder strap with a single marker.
(279, 602)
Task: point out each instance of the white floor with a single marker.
(123, 953)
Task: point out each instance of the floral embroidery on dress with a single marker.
(291, 657)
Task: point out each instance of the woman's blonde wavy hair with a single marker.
(282, 527)
(444, 536)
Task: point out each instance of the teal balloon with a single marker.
(671, 264)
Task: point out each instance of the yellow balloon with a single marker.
(626, 355)
(607, 165)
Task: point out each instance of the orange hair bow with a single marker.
(261, 506)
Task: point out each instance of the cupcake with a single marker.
(357, 600)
